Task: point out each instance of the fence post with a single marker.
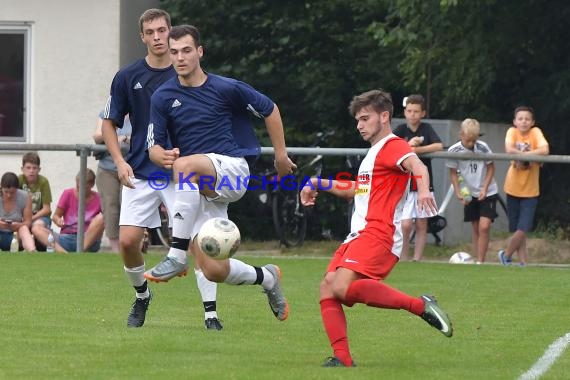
(83, 154)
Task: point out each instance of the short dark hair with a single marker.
(379, 100)
(416, 99)
(32, 158)
(9, 180)
(152, 14)
(524, 108)
(179, 31)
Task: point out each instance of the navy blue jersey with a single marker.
(211, 118)
(426, 131)
(131, 90)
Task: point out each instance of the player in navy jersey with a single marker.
(205, 117)
(131, 90)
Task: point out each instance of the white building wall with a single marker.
(75, 54)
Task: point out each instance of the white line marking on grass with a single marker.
(545, 362)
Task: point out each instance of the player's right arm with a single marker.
(113, 117)
(341, 189)
(157, 136)
(124, 170)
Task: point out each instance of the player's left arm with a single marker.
(420, 172)
(274, 125)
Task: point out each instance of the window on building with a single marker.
(14, 78)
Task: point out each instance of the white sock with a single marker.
(185, 209)
(240, 273)
(245, 274)
(208, 289)
(136, 278)
(268, 279)
(178, 255)
(210, 314)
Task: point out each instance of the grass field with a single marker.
(63, 316)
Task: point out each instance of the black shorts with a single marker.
(476, 209)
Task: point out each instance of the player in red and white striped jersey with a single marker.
(360, 265)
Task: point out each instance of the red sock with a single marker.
(334, 322)
(378, 294)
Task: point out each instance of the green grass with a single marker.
(63, 316)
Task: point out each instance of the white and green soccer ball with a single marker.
(461, 258)
(219, 238)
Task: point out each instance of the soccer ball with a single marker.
(461, 258)
(219, 238)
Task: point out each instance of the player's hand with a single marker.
(309, 195)
(169, 156)
(426, 203)
(125, 173)
(284, 166)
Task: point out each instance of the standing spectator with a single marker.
(422, 139)
(479, 207)
(108, 183)
(359, 267)
(15, 214)
(66, 216)
(521, 183)
(38, 187)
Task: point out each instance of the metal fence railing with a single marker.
(86, 150)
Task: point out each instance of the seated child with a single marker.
(39, 189)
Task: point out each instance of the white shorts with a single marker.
(232, 175)
(410, 210)
(139, 206)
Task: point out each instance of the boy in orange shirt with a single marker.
(521, 182)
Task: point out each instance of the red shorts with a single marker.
(364, 255)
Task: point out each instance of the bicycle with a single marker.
(289, 215)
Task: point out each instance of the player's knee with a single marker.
(339, 290)
(129, 242)
(213, 273)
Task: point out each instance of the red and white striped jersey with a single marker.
(379, 197)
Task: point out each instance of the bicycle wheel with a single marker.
(164, 232)
(289, 218)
